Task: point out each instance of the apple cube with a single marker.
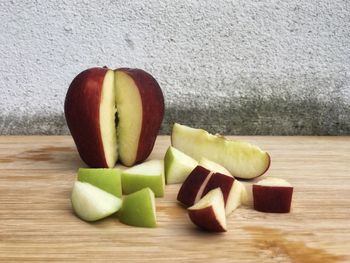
(213, 166)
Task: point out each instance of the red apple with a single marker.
(114, 111)
(272, 195)
(193, 187)
(209, 212)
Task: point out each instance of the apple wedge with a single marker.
(106, 179)
(91, 203)
(139, 209)
(241, 159)
(114, 114)
(272, 195)
(209, 212)
(192, 188)
(177, 166)
(148, 174)
(213, 166)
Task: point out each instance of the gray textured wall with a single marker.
(237, 67)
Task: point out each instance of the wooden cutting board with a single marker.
(37, 222)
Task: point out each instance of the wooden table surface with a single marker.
(37, 222)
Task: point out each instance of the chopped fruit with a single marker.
(272, 195)
(215, 167)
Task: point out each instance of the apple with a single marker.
(177, 166)
(114, 114)
(209, 212)
(107, 179)
(192, 188)
(139, 209)
(148, 174)
(272, 195)
(213, 166)
(241, 159)
(90, 203)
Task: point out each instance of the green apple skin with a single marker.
(108, 179)
(90, 203)
(148, 174)
(139, 209)
(177, 166)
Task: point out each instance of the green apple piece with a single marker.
(108, 180)
(90, 203)
(148, 174)
(177, 166)
(139, 209)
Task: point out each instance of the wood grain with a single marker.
(37, 223)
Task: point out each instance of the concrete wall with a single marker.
(235, 67)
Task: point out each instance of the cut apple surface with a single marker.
(177, 166)
(113, 113)
(241, 159)
(213, 166)
(148, 174)
(209, 212)
(272, 195)
(90, 203)
(192, 188)
(139, 209)
(107, 179)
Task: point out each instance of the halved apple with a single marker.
(272, 195)
(192, 188)
(107, 179)
(90, 203)
(209, 212)
(177, 166)
(148, 174)
(139, 209)
(241, 159)
(105, 108)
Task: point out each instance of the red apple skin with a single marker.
(219, 180)
(152, 110)
(205, 218)
(272, 199)
(81, 108)
(190, 187)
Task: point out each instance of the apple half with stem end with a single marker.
(213, 166)
(272, 195)
(90, 203)
(114, 114)
(139, 209)
(148, 174)
(241, 159)
(107, 179)
(192, 188)
(177, 166)
(209, 212)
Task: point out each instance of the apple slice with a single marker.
(241, 159)
(272, 195)
(209, 212)
(114, 111)
(139, 209)
(106, 179)
(177, 166)
(193, 187)
(213, 166)
(148, 174)
(91, 203)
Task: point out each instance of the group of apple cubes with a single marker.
(209, 189)
(115, 115)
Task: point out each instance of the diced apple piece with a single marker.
(214, 167)
(209, 212)
(177, 166)
(272, 195)
(91, 203)
(106, 179)
(148, 174)
(241, 159)
(139, 209)
(193, 187)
